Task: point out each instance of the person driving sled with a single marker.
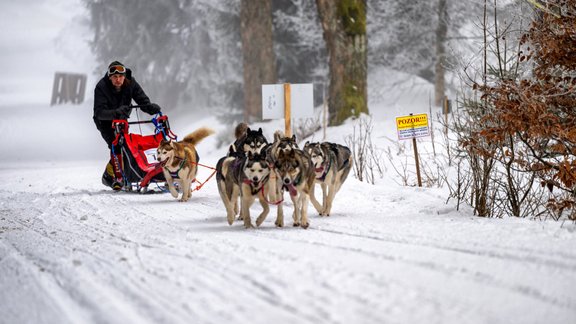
(112, 98)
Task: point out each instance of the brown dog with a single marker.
(179, 161)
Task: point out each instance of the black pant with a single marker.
(106, 130)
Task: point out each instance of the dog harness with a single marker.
(174, 174)
(256, 186)
(255, 189)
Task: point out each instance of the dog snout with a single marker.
(286, 180)
(255, 179)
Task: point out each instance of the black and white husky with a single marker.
(332, 164)
(245, 177)
(248, 140)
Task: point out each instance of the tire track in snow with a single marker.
(481, 277)
(78, 247)
(252, 287)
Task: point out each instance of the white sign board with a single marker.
(301, 101)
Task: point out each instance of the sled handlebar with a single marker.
(140, 106)
(140, 122)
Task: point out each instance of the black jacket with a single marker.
(107, 100)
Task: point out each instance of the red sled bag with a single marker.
(135, 154)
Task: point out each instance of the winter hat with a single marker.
(116, 68)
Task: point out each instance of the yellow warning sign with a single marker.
(412, 126)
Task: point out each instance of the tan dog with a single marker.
(179, 161)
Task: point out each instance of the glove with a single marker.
(153, 109)
(123, 112)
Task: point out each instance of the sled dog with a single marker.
(247, 177)
(227, 176)
(281, 144)
(332, 163)
(296, 175)
(179, 161)
(285, 144)
(248, 140)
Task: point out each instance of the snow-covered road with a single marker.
(73, 252)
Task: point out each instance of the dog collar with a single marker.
(255, 186)
(174, 174)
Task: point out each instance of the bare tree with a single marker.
(441, 33)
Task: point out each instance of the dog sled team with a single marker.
(252, 170)
(255, 169)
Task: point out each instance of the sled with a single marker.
(135, 154)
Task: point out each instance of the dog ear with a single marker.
(278, 135)
(294, 138)
(260, 130)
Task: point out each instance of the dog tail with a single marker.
(196, 136)
(241, 130)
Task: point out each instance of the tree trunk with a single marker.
(259, 61)
(344, 26)
(441, 32)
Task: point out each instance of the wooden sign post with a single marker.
(417, 162)
(287, 111)
(288, 101)
(410, 127)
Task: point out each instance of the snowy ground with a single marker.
(73, 251)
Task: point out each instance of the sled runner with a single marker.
(135, 155)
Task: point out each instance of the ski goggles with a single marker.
(116, 69)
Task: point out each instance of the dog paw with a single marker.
(305, 225)
(296, 224)
(279, 224)
(260, 220)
